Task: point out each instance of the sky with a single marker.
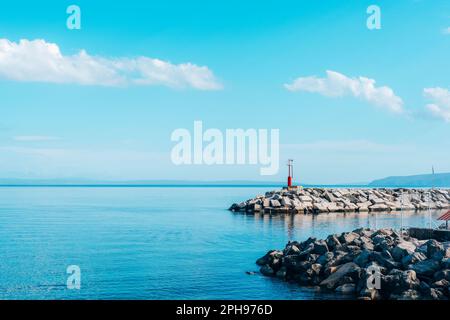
(101, 102)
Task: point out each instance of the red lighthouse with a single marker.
(290, 172)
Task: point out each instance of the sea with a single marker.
(155, 242)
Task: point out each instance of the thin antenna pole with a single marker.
(376, 222)
(289, 168)
(430, 196)
(429, 209)
(290, 172)
(292, 169)
(401, 215)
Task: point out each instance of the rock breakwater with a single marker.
(319, 200)
(367, 264)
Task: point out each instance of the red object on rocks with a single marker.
(445, 216)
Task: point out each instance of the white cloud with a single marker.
(339, 85)
(440, 102)
(446, 31)
(35, 138)
(41, 61)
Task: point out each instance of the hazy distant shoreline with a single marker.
(441, 180)
(168, 185)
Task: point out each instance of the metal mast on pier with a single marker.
(401, 214)
(290, 165)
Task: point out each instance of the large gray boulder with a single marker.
(392, 282)
(305, 199)
(445, 263)
(437, 294)
(291, 248)
(398, 281)
(441, 284)
(403, 249)
(275, 203)
(296, 263)
(308, 243)
(425, 268)
(270, 257)
(281, 273)
(364, 232)
(267, 271)
(327, 195)
(325, 258)
(385, 260)
(442, 274)
(366, 243)
(363, 258)
(315, 269)
(346, 269)
(320, 247)
(434, 248)
(384, 232)
(234, 207)
(409, 280)
(447, 252)
(348, 237)
(286, 202)
(333, 242)
(413, 258)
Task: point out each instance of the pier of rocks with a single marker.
(322, 200)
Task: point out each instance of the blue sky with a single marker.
(228, 65)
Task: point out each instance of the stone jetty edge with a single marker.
(322, 200)
(409, 269)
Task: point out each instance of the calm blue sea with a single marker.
(152, 242)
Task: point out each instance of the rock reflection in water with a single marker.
(301, 226)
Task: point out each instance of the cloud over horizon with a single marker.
(41, 61)
(440, 102)
(336, 84)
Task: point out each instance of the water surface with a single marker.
(153, 243)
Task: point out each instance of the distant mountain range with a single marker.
(421, 180)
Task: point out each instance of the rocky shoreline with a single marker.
(366, 264)
(321, 200)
